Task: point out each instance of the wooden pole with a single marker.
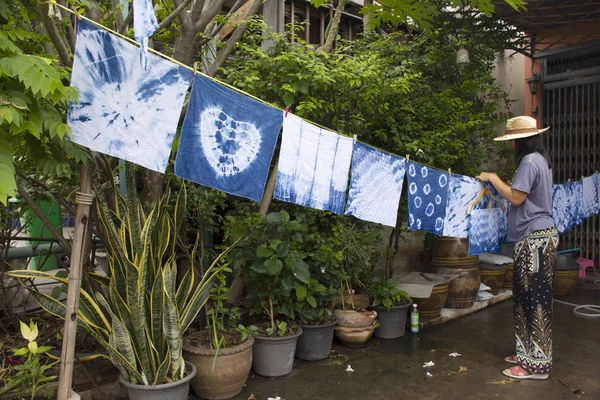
(84, 200)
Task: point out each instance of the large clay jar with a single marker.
(355, 319)
(508, 277)
(431, 307)
(230, 371)
(566, 274)
(450, 257)
(493, 276)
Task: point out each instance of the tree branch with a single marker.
(235, 37)
(167, 21)
(41, 184)
(44, 218)
(126, 22)
(209, 14)
(59, 45)
(333, 27)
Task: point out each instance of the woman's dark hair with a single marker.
(530, 145)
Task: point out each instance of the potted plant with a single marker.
(141, 321)
(391, 305)
(222, 353)
(274, 271)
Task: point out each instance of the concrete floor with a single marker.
(393, 369)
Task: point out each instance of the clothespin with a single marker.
(569, 180)
(76, 13)
(355, 136)
(407, 157)
(450, 171)
(287, 110)
(195, 67)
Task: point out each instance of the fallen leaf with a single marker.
(433, 350)
(429, 375)
(349, 368)
(462, 369)
(252, 397)
(428, 364)
(454, 355)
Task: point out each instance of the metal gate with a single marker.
(571, 107)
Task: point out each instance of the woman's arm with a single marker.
(515, 197)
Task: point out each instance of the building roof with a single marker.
(554, 22)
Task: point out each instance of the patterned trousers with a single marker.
(533, 286)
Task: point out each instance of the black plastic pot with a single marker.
(315, 342)
(393, 321)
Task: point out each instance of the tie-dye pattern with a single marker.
(227, 140)
(487, 229)
(144, 25)
(427, 198)
(590, 197)
(313, 166)
(463, 190)
(123, 111)
(375, 185)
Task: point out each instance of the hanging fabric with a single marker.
(144, 25)
(576, 202)
(567, 204)
(590, 196)
(462, 191)
(487, 226)
(427, 198)
(375, 185)
(123, 111)
(597, 182)
(313, 166)
(227, 140)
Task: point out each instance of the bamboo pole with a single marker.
(84, 201)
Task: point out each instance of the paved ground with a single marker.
(393, 369)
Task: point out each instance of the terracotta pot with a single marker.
(361, 300)
(354, 319)
(452, 251)
(432, 307)
(508, 278)
(493, 276)
(565, 281)
(229, 374)
(463, 289)
(355, 337)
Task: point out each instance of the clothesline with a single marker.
(195, 70)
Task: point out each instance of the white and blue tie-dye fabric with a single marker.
(375, 185)
(227, 140)
(427, 198)
(487, 229)
(563, 207)
(597, 181)
(462, 191)
(123, 111)
(144, 25)
(313, 166)
(590, 196)
(577, 202)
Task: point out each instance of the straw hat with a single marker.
(520, 127)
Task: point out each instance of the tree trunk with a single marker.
(333, 27)
(186, 43)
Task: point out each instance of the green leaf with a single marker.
(288, 99)
(301, 272)
(300, 292)
(273, 267)
(311, 300)
(264, 251)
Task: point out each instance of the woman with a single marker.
(531, 227)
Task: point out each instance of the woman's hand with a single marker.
(486, 176)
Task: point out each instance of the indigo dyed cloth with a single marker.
(313, 166)
(597, 181)
(227, 140)
(144, 25)
(567, 199)
(375, 185)
(590, 196)
(487, 229)
(577, 198)
(427, 198)
(124, 111)
(462, 191)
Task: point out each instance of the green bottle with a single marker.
(414, 319)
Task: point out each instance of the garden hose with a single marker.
(586, 310)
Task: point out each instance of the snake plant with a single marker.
(142, 312)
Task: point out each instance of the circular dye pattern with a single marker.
(411, 219)
(427, 189)
(430, 209)
(439, 224)
(438, 199)
(418, 223)
(412, 188)
(443, 180)
(424, 172)
(418, 202)
(411, 170)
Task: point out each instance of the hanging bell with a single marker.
(462, 57)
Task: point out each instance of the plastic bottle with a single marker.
(414, 319)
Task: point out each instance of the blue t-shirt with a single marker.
(533, 177)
